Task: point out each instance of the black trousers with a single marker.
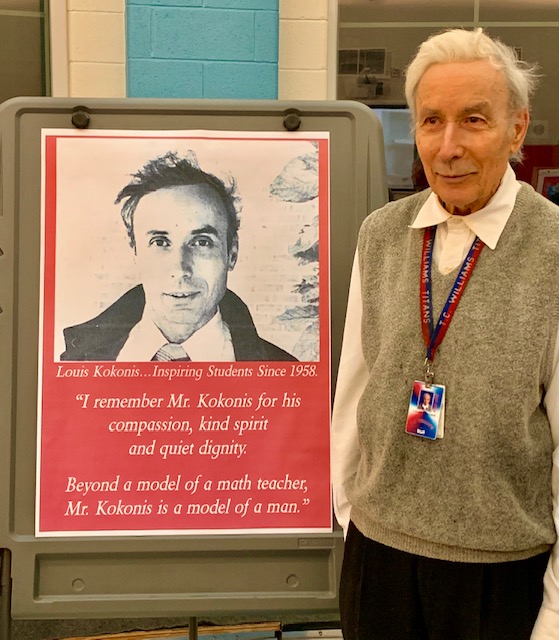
(386, 594)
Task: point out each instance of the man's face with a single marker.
(465, 132)
(182, 257)
(426, 399)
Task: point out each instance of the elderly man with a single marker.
(182, 224)
(455, 291)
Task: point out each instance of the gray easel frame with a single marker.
(37, 574)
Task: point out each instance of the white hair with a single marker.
(460, 45)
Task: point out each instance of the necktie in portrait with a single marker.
(170, 352)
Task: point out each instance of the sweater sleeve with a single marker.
(547, 624)
(352, 379)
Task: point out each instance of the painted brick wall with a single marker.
(89, 50)
(202, 48)
(96, 48)
(303, 50)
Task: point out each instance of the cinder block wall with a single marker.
(202, 48)
(96, 48)
(303, 50)
(197, 48)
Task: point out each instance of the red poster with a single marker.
(185, 333)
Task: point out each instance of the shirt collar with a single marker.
(487, 223)
(212, 342)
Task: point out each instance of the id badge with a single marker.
(426, 411)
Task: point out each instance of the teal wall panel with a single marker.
(198, 34)
(202, 48)
(239, 81)
(167, 78)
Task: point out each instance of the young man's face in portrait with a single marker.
(182, 257)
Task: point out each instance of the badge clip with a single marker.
(429, 373)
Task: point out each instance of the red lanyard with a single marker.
(433, 335)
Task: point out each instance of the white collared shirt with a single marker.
(211, 343)
(455, 234)
(453, 240)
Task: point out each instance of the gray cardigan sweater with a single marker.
(483, 492)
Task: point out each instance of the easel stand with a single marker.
(45, 575)
(5, 594)
(193, 629)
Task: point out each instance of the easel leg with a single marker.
(192, 629)
(5, 594)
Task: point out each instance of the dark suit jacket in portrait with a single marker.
(103, 337)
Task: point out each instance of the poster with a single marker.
(548, 184)
(184, 359)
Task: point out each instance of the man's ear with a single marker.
(520, 128)
(233, 254)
